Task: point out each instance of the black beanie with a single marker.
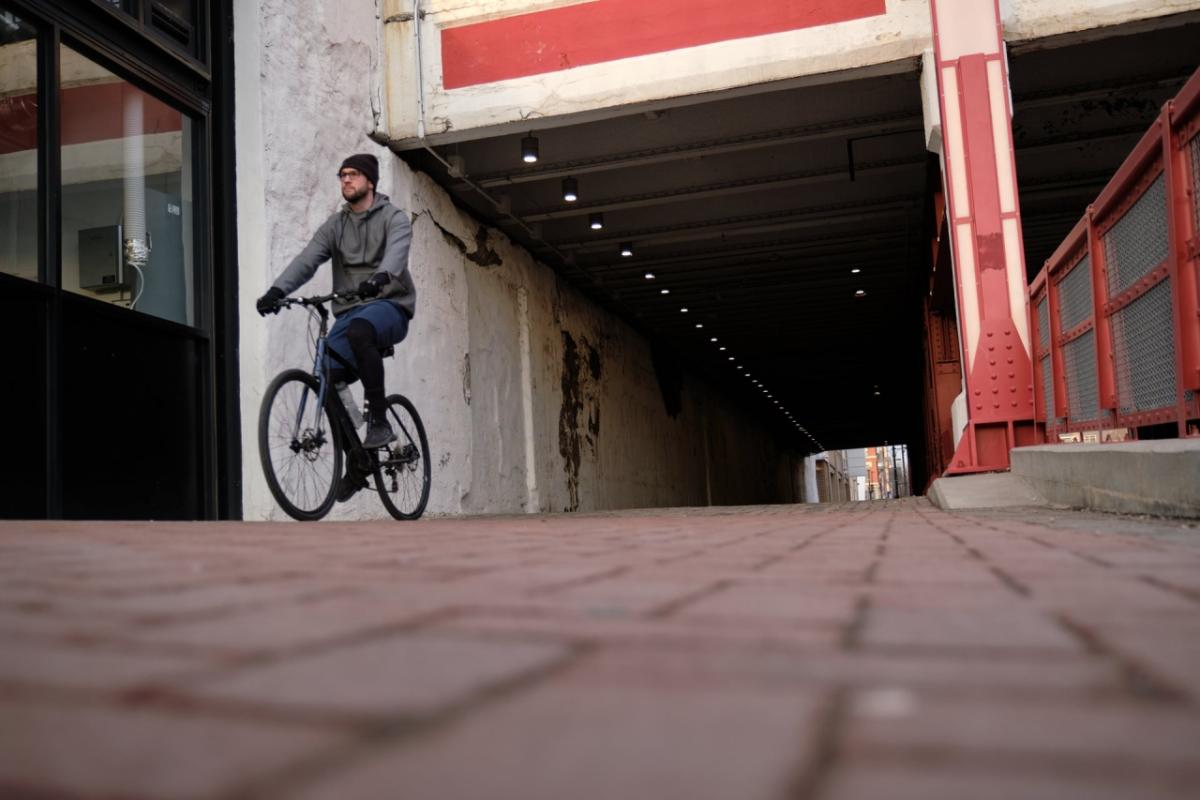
(365, 163)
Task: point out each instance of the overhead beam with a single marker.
(885, 123)
(790, 220)
(782, 248)
(1093, 91)
(747, 266)
(723, 189)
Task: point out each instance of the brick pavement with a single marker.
(883, 650)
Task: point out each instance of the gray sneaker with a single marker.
(379, 433)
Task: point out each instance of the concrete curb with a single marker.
(1157, 477)
(987, 490)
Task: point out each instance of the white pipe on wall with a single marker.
(137, 250)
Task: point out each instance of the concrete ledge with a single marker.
(987, 490)
(1158, 477)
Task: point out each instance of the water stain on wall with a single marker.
(466, 378)
(580, 401)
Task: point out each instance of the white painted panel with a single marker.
(966, 27)
(956, 155)
(1001, 138)
(964, 245)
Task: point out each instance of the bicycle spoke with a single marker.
(298, 450)
(402, 474)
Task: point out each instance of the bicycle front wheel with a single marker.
(300, 454)
(402, 467)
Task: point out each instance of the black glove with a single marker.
(269, 302)
(372, 285)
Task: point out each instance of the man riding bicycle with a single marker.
(368, 240)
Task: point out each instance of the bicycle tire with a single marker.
(305, 480)
(402, 469)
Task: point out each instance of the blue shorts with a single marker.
(389, 322)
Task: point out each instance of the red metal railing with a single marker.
(1115, 311)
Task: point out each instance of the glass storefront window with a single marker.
(18, 147)
(126, 193)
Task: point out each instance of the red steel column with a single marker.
(989, 264)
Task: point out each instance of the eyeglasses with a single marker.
(349, 175)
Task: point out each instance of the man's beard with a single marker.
(354, 197)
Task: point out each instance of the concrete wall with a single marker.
(533, 397)
(877, 42)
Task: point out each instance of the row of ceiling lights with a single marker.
(723, 349)
(530, 152)
(570, 194)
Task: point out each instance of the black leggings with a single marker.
(361, 336)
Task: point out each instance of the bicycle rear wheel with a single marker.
(402, 467)
(301, 457)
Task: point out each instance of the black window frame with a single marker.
(184, 81)
(141, 19)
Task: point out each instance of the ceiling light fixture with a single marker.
(855, 271)
(683, 310)
(664, 291)
(649, 276)
(570, 190)
(626, 249)
(596, 221)
(860, 293)
(699, 324)
(529, 149)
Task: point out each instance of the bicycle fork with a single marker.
(322, 390)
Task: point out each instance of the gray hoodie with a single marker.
(360, 244)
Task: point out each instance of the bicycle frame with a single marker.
(321, 372)
(352, 443)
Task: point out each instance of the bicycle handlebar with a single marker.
(317, 300)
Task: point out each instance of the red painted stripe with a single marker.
(89, 114)
(605, 30)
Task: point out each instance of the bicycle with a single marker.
(305, 431)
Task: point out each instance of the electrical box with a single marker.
(101, 259)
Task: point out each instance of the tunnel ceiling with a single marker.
(1079, 109)
(764, 214)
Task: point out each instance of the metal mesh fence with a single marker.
(1195, 148)
(1144, 352)
(1043, 317)
(1083, 393)
(1138, 242)
(1075, 295)
(1048, 387)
